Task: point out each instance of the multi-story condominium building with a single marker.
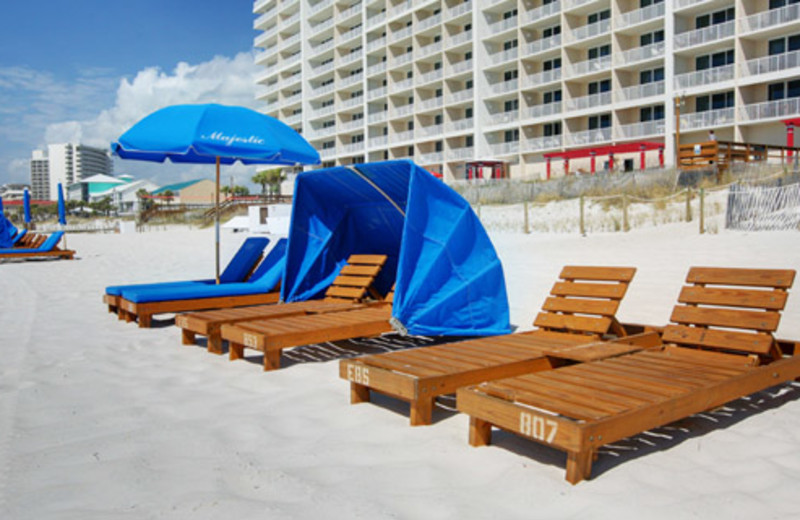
(449, 82)
(66, 163)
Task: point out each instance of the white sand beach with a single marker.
(100, 419)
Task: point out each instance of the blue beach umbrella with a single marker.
(62, 210)
(214, 134)
(26, 206)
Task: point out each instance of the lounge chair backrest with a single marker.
(51, 241)
(586, 300)
(245, 260)
(355, 279)
(733, 310)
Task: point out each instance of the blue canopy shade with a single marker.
(26, 205)
(448, 278)
(201, 133)
(7, 231)
(62, 209)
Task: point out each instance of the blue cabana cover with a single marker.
(449, 280)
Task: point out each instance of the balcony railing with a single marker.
(771, 18)
(402, 33)
(503, 56)
(458, 39)
(351, 34)
(590, 66)
(376, 69)
(294, 98)
(428, 77)
(538, 79)
(641, 91)
(590, 101)
(381, 140)
(706, 34)
(403, 85)
(408, 135)
(591, 30)
(541, 45)
(461, 95)
(375, 93)
(323, 47)
(430, 104)
(767, 64)
(322, 69)
(427, 131)
(460, 154)
(402, 59)
(429, 22)
(402, 111)
(326, 24)
(430, 158)
(503, 25)
(541, 12)
(376, 44)
(400, 8)
(534, 144)
(459, 125)
(352, 102)
(781, 108)
(352, 148)
(264, 18)
(501, 87)
(544, 110)
(376, 19)
(429, 49)
(704, 77)
(458, 10)
(502, 118)
(598, 135)
(644, 129)
(321, 90)
(637, 54)
(505, 148)
(349, 126)
(323, 111)
(461, 66)
(378, 117)
(640, 15)
(710, 118)
(293, 119)
(350, 11)
(327, 153)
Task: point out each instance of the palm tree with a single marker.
(271, 178)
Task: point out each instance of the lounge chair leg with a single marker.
(215, 343)
(187, 337)
(235, 351)
(127, 316)
(421, 411)
(144, 321)
(358, 393)
(112, 309)
(272, 359)
(579, 465)
(480, 432)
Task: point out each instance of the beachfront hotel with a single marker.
(66, 163)
(536, 87)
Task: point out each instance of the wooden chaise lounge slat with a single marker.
(357, 275)
(579, 311)
(582, 407)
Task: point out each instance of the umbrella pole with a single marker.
(216, 222)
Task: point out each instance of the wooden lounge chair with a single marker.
(273, 335)
(719, 348)
(44, 248)
(349, 289)
(579, 311)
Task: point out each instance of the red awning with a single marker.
(641, 146)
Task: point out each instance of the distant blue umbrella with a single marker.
(212, 133)
(62, 210)
(26, 206)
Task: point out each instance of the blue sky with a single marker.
(88, 69)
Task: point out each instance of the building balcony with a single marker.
(327, 153)
(458, 39)
(351, 80)
(464, 153)
(430, 104)
(375, 93)
(503, 87)
(402, 59)
(405, 84)
(351, 126)
(704, 77)
(381, 140)
(352, 148)
(375, 19)
(459, 67)
(258, 5)
(322, 47)
(458, 10)
(638, 54)
(431, 48)
(429, 22)
(400, 8)
(709, 118)
(401, 111)
(539, 79)
(770, 18)
(574, 4)
(290, 100)
(293, 120)
(780, 109)
(459, 96)
(586, 137)
(289, 21)
(408, 135)
(541, 45)
(637, 92)
(768, 64)
(543, 110)
(322, 26)
(590, 66)
(350, 58)
(682, 4)
(322, 133)
(378, 117)
(352, 34)
(505, 148)
(638, 16)
(643, 129)
(351, 11)
(713, 33)
(378, 43)
(322, 90)
(262, 19)
(459, 125)
(428, 77)
(429, 158)
(590, 31)
(502, 25)
(352, 102)
(535, 144)
(317, 113)
(291, 40)
(542, 12)
(405, 32)
(376, 69)
(591, 101)
(497, 58)
(502, 118)
(430, 131)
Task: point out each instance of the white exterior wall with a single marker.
(304, 44)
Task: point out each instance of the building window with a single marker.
(777, 4)
(511, 105)
(551, 97)
(469, 141)
(357, 139)
(646, 3)
(551, 31)
(596, 17)
(718, 59)
(510, 14)
(714, 102)
(654, 113)
(598, 52)
(781, 45)
(468, 113)
(510, 44)
(510, 75)
(601, 121)
(555, 63)
(718, 17)
(511, 136)
(438, 146)
(551, 129)
(790, 89)
(651, 76)
(650, 38)
(438, 119)
(596, 87)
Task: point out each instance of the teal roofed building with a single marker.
(86, 188)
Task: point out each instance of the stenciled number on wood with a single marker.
(250, 340)
(537, 427)
(181, 321)
(358, 374)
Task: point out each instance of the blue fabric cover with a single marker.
(263, 280)
(449, 280)
(7, 232)
(47, 245)
(240, 265)
(20, 234)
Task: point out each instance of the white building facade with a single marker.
(447, 82)
(66, 163)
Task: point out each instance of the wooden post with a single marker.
(625, 226)
(702, 211)
(582, 227)
(688, 204)
(527, 228)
